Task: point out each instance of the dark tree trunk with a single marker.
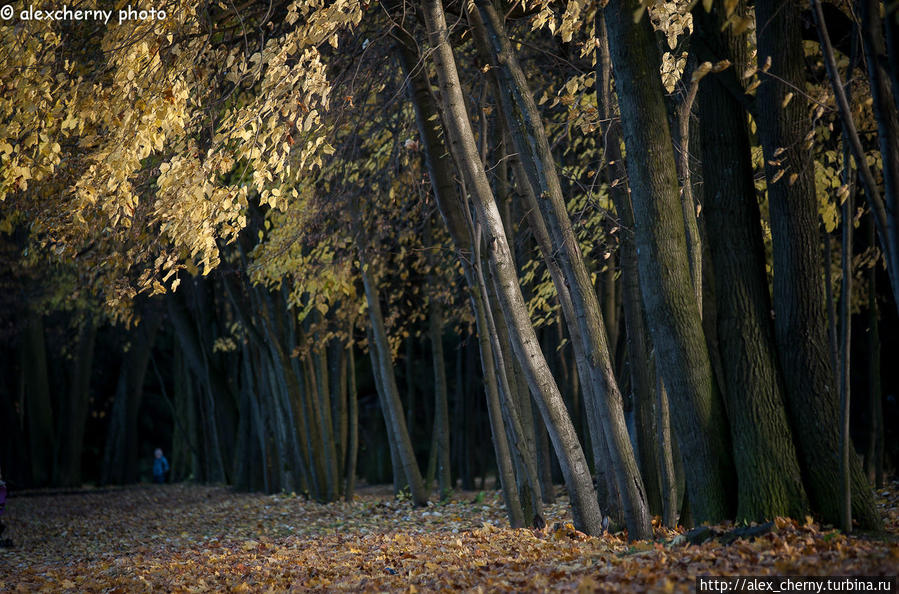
(800, 320)
(671, 309)
(638, 348)
(74, 409)
(38, 409)
(767, 466)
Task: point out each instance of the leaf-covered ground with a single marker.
(190, 538)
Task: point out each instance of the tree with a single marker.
(769, 482)
(671, 310)
(799, 319)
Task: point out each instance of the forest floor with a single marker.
(194, 538)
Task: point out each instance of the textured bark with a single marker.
(585, 510)
(643, 389)
(666, 459)
(671, 309)
(800, 321)
(769, 482)
(525, 127)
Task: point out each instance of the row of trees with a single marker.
(618, 209)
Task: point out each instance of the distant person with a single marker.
(4, 542)
(160, 466)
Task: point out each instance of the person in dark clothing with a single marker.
(160, 466)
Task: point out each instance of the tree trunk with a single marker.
(800, 322)
(585, 510)
(846, 449)
(441, 406)
(601, 392)
(769, 481)
(874, 452)
(671, 309)
(393, 407)
(75, 408)
(353, 445)
(638, 349)
(38, 410)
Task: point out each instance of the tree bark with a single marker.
(800, 322)
(769, 482)
(671, 309)
(585, 510)
(638, 348)
(523, 121)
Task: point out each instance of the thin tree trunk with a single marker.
(393, 409)
(585, 510)
(353, 445)
(38, 409)
(846, 449)
(874, 453)
(601, 392)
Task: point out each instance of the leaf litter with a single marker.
(189, 538)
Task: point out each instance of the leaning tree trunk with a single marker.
(800, 320)
(523, 121)
(671, 309)
(768, 478)
(393, 407)
(449, 201)
(585, 510)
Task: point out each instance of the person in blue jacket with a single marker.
(160, 466)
